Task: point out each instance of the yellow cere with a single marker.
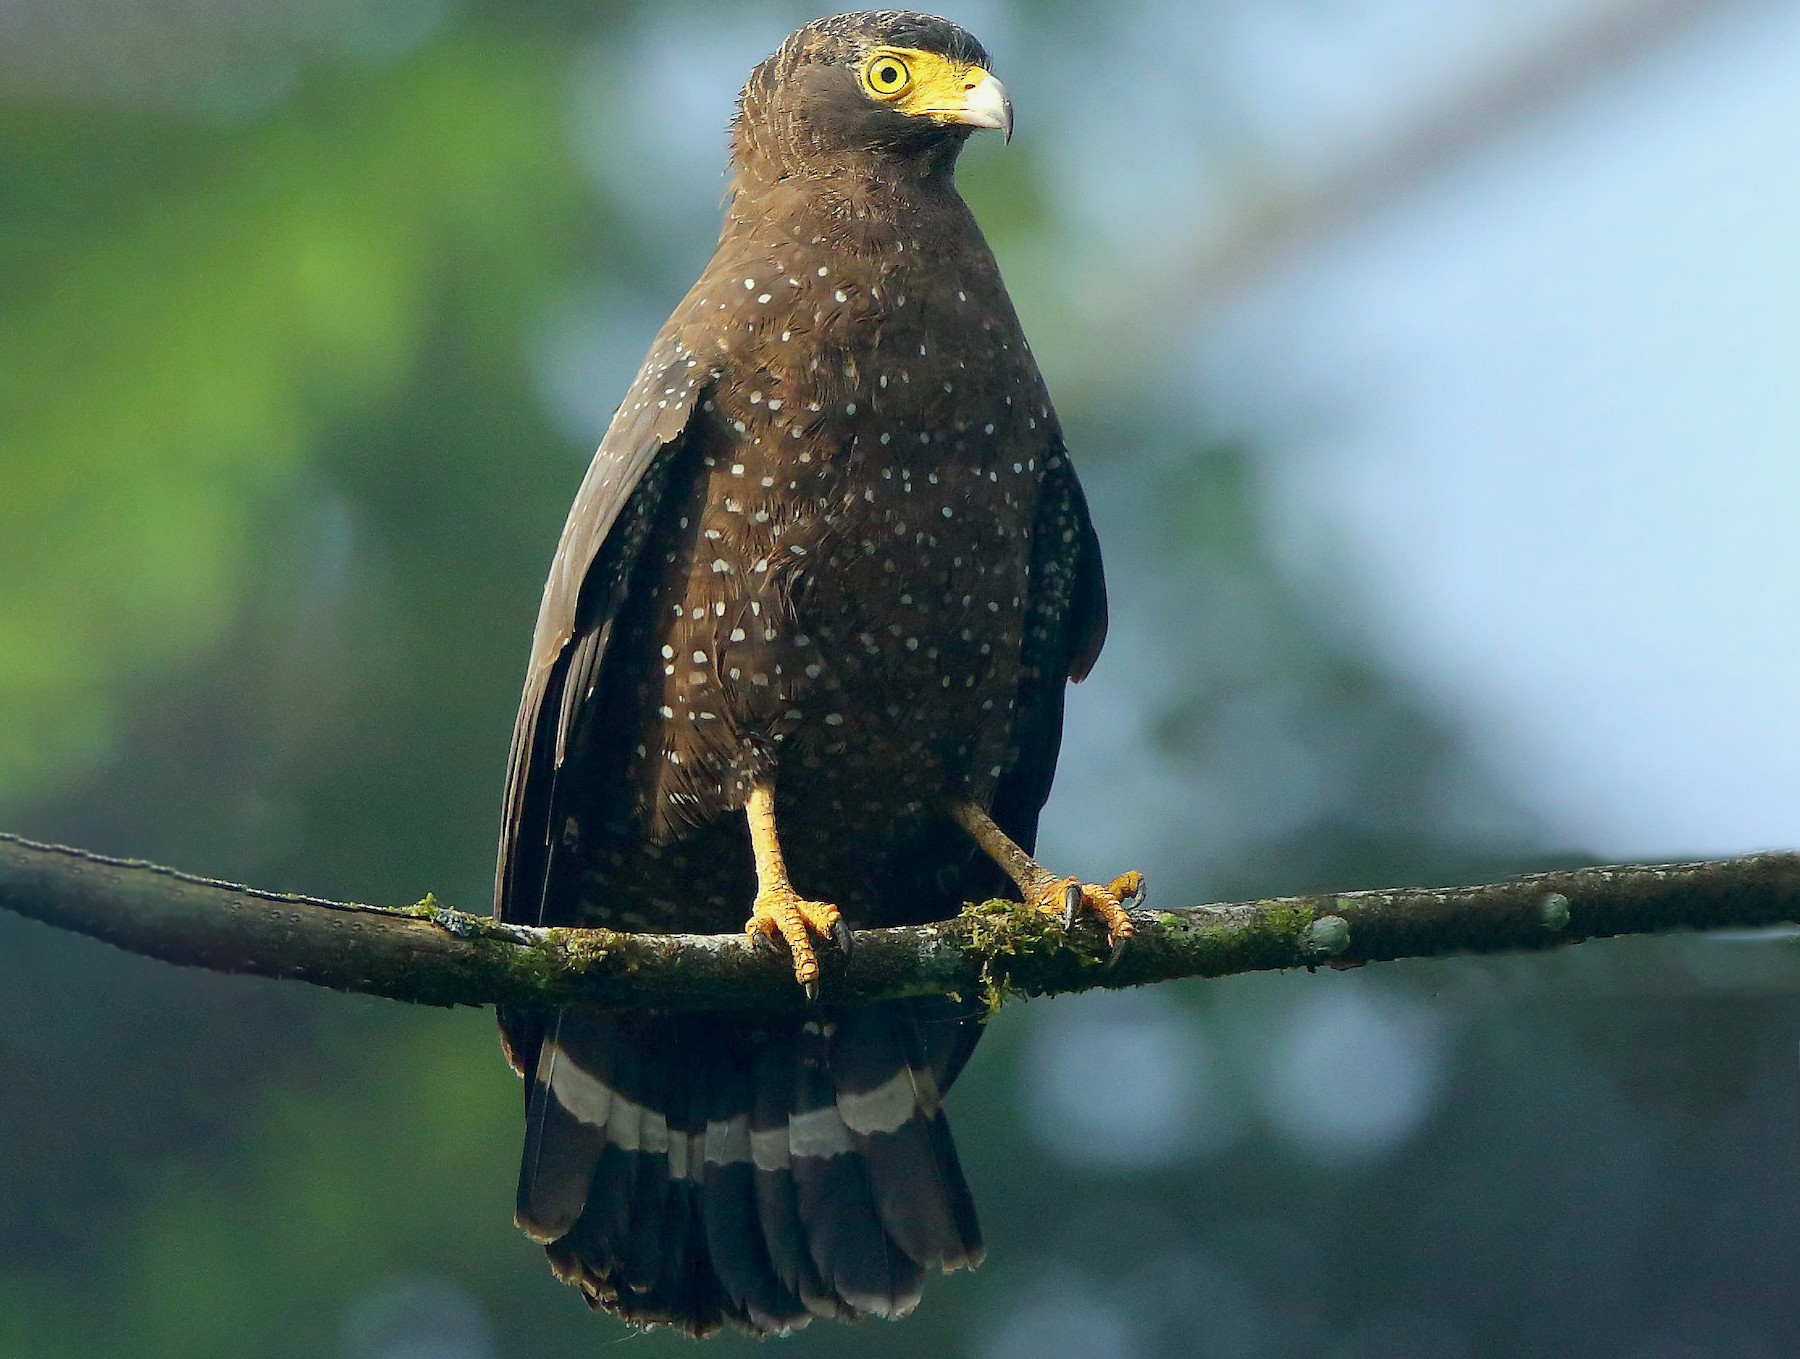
(919, 84)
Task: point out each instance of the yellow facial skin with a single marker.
(921, 84)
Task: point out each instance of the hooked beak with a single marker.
(984, 104)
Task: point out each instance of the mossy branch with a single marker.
(431, 955)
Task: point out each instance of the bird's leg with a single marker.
(1045, 891)
(780, 912)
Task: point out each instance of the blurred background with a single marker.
(1432, 366)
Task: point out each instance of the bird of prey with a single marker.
(801, 657)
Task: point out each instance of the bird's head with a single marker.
(886, 86)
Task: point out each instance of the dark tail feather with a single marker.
(615, 1177)
(778, 1208)
(686, 1285)
(687, 1170)
(854, 1254)
(566, 1107)
(640, 1256)
(734, 1233)
(888, 1098)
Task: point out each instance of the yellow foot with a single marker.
(782, 913)
(1068, 898)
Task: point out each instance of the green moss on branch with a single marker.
(430, 954)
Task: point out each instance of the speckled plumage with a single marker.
(832, 540)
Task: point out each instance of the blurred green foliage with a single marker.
(278, 483)
(191, 310)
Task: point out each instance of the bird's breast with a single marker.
(855, 544)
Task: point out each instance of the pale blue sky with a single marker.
(1550, 426)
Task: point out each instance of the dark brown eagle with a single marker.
(802, 654)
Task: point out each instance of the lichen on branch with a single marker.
(432, 955)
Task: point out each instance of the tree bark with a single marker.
(431, 955)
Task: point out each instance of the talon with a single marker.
(1118, 948)
(782, 913)
(760, 937)
(1128, 887)
(1044, 891)
(1069, 898)
(779, 909)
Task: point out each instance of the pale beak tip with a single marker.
(987, 105)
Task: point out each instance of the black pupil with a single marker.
(887, 75)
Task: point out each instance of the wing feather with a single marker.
(1065, 629)
(586, 589)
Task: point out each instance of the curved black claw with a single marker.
(840, 932)
(1071, 904)
(812, 990)
(762, 943)
(1118, 949)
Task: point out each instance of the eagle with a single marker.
(799, 670)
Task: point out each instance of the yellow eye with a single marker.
(886, 75)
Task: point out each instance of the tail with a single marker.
(688, 1170)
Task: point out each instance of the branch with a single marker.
(1280, 226)
(430, 955)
